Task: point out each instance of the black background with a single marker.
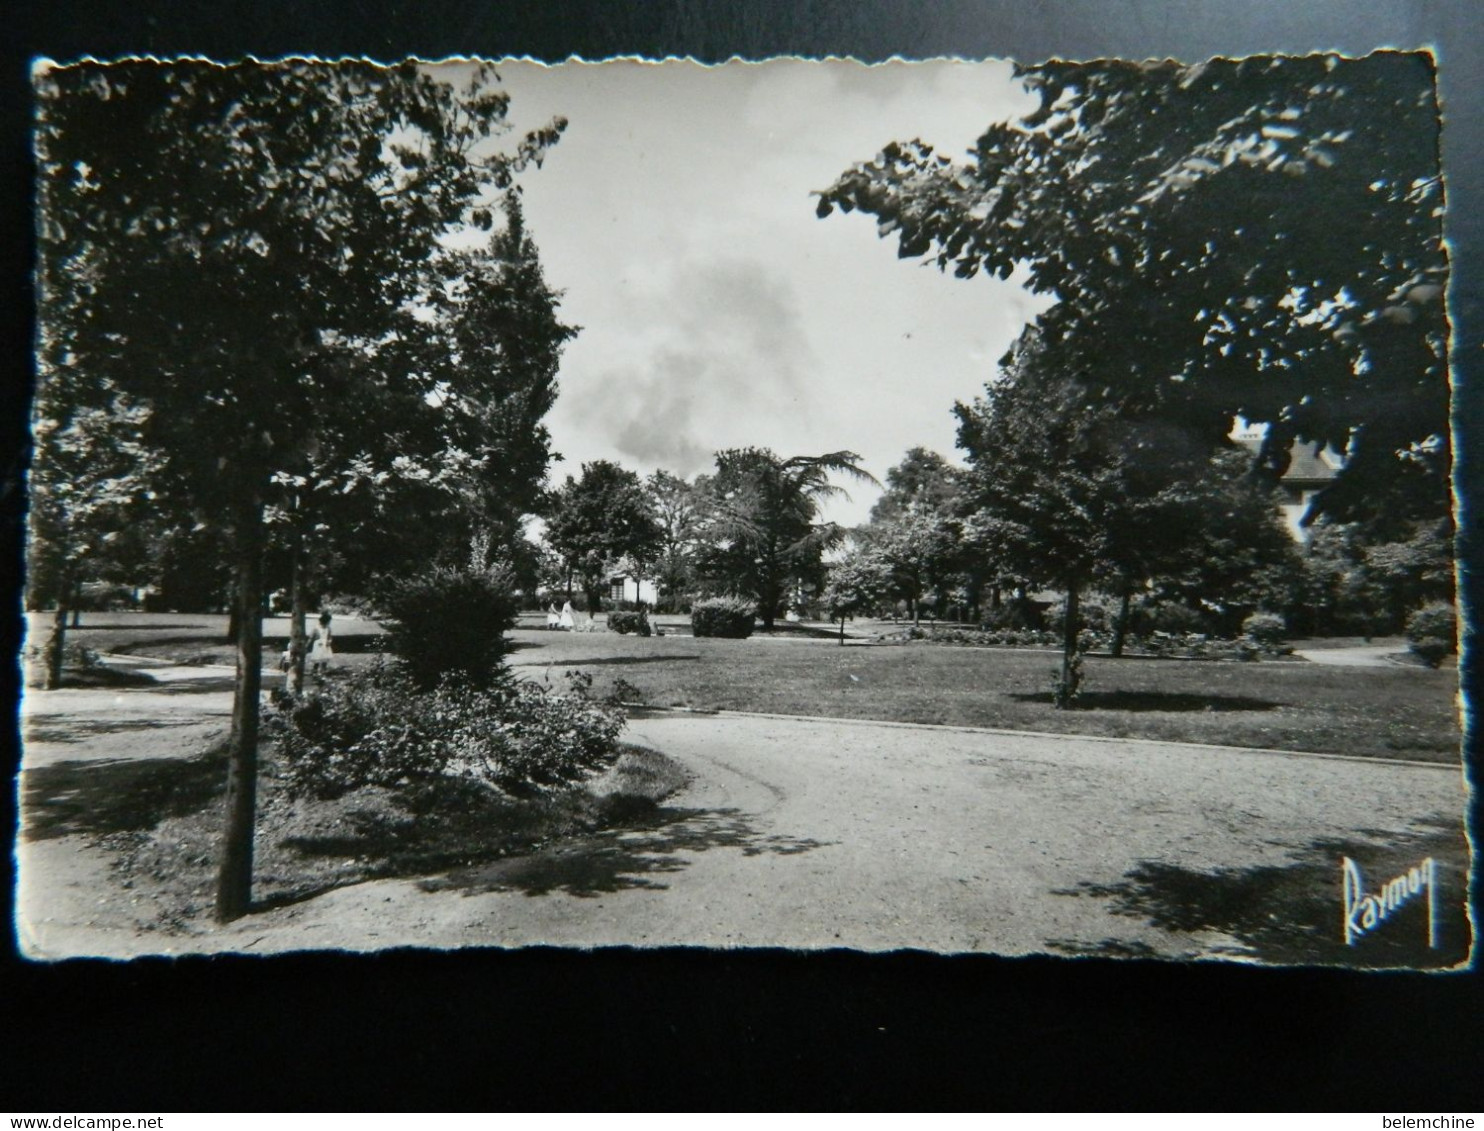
(740, 1030)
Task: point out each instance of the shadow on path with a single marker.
(73, 730)
(623, 858)
(1294, 913)
(117, 795)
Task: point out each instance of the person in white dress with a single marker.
(321, 646)
(567, 620)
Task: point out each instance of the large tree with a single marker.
(763, 525)
(251, 248)
(678, 507)
(88, 487)
(1256, 237)
(601, 520)
(1073, 495)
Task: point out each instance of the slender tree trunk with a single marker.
(916, 617)
(842, 630)
(1069, 638)
(234, 876)
(298, 613)
(1120, 624)
(56, 644)
(77, 603)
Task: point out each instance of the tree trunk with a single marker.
(56, 645)
(298, 613)
(77, 603)
(842, 630)
(234, 876)
(1120, 624)
(1069, 643)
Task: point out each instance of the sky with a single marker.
(715, 309)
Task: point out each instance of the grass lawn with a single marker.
(1398, 711)
(1395, 711)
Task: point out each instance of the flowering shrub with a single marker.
(1432, 632)
(378, 727)
(722, 616)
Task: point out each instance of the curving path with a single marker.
(822, 833)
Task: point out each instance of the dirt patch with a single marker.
(165, 851)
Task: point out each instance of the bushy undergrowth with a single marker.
(1265, 628)
(378, 727)
(730, 617)
(450, 622)
(625, 622)
(1432, 633)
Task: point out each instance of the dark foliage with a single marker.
(450, 622)
(730, 617)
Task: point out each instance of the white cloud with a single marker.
(717, 311)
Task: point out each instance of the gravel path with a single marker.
(810, 833)
(1367, 656)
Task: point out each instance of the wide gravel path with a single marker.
(823, 833)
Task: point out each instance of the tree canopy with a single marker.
(248, 252)
(599, 520)
(1257, 237)
(763, 522)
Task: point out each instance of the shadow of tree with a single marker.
(104, 796)
(1153, 701)
(72, 730)
(1294, 913)
(105, 677)
(623, 858)
(200, 686)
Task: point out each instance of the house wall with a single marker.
(634, 591)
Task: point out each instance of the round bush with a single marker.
(1176, 618)
(450, 622)
(1432, 633)
(1265, 628)
(729, 617)
(625, 622)
(1091, 614)
(1437, 621)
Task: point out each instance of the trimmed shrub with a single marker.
(1432, 633)
(1092, 614)
(723, 616)
(625, 622)
(1016, 614)
(1265, 628)
(450, 622)
(377, 727)
(1176, 619)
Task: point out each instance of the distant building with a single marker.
(1309, 472)
(624, 587)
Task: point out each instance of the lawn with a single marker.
(1394, 711)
